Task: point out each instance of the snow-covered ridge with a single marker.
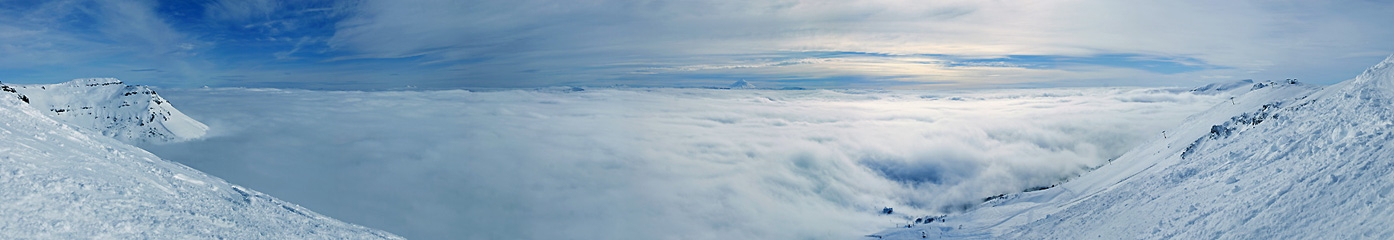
(1282, 161)
(1214, 88)
(130, 113)
(61, 183)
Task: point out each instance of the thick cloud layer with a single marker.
(659, 163)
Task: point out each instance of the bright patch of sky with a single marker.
(380, 44)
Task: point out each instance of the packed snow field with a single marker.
(641, 163)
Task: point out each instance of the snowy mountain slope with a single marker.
(133, 114)
(61, 183)
(1283, 161)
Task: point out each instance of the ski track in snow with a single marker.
(1285, 162)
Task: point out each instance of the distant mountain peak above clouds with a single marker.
(1224, 87)
(741, 84)
(130, 113)
(92, 82)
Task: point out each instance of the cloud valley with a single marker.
(648, 163)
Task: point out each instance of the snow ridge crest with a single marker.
(93, 82)
(1380, 75)
(109, 107)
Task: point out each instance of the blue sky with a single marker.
(381, 44)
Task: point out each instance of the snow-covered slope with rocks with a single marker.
(61, 183)
(1283, 161)
(130, 113)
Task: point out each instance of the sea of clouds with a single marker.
(641, 163)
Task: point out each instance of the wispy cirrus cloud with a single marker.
(373, 44)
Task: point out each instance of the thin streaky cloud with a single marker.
(531, 43)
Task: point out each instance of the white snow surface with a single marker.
(57, 182)
(107, 106)
(1287, 161)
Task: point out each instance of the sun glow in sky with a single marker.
(381, 44)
